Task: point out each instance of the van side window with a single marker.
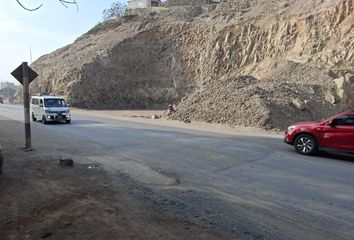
(41, 101)
(37, 101)
(33, 101)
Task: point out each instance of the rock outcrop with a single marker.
(249, 62)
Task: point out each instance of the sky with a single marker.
(51, 27)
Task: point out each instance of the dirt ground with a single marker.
(41, 200)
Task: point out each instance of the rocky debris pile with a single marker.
(236, 99)
(276, 101)
(247, 62)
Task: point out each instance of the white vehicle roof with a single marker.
(48, 97)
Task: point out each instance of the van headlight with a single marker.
(291, 128)
(68, 111)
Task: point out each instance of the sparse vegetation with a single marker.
(116, 10)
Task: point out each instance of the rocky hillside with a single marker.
(248, 62)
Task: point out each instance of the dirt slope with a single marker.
(249, 62)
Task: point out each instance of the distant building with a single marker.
(8, 85)
(134, 4)
(7, 90)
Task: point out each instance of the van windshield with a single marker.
(54, 102)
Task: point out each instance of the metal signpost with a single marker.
(25, 75)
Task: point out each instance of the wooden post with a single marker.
(26, 102)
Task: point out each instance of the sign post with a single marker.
(25, 75)
(26, 105)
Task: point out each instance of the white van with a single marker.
(50, 108)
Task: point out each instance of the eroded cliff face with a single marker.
(254, 63)
(119, 67)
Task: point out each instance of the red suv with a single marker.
(335, 133)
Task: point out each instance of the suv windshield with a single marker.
(54, 103)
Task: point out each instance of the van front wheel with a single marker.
(44, 120)
(33, 118)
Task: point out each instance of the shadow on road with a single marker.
(348, 157)
(325, 155)
(73, 122)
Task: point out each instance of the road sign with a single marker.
(18, 74)
(25, 75)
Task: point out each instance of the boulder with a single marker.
(153, 117)
(298, 104)
(330, 97)
(340, 82)
(68, 162)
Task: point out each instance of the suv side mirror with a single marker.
(330, 123)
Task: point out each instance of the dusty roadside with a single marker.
(41, 200)
(145, 116)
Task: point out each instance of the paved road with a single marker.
(242, 186)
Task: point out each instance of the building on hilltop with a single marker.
(134, 4)
(190, 2)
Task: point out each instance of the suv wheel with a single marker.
(305, 144)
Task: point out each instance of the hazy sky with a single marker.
(51, 27)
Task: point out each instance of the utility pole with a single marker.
(30, 54)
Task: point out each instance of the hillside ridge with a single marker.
(249, 62)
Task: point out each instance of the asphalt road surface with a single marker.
(245, 187)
